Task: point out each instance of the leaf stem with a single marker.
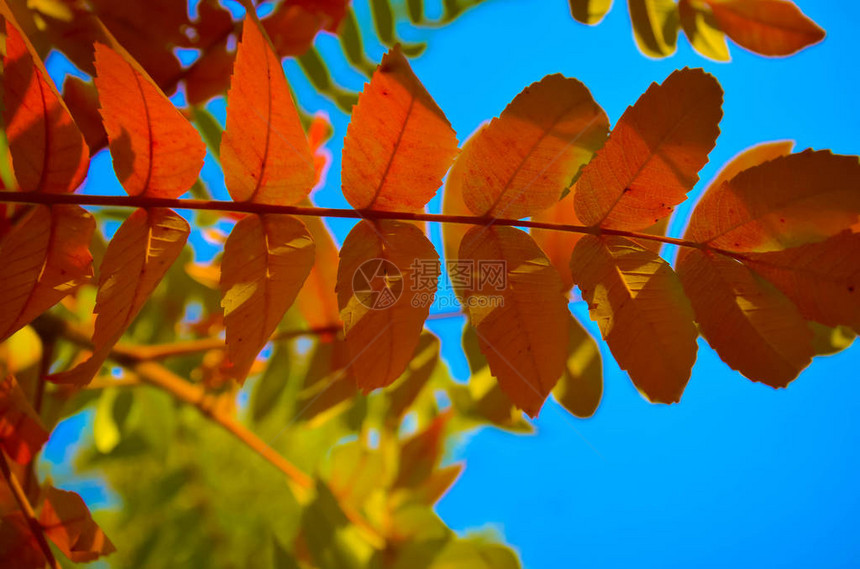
(27, 510)
(258, 208)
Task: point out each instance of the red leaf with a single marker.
(264, 150)
(48, 150)
(156, 152)
(68, 523)
(21, 431)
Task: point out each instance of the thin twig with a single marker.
(260, 208)
(29, 513)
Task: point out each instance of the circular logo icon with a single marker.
(377, 284)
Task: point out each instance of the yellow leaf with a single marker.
(399, 143)
(654, 154)
(519, 314)
(589, 12)
(655, 26)
(523, 160)
(140, 253)
(581, 386)
(703, 31)
(382, 303)
(637, 300)
(42, 259)
(266, 260)
(785, 202)
(753, 327)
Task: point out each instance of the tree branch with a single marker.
(257, 208)
(29, 513)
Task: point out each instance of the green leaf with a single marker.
(271, 385)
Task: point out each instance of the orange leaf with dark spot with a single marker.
(156, 152)
(399, 143)
(654, 154)
(521, 318)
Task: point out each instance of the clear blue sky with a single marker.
(736, 475)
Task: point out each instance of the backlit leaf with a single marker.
(264, 150)
(42, 259)
(68, 523)
(822, 279)
(637, 300)
(589, 11)
(702, 30)
(317, 300)
(753, 156)
(156, 152)
(654, 154)
(421, 453)
(581, 386)
(655, 26)
(382, 307)
(767, 27)
(48, 150)
(266, 260)
(399, 143)
(754, 328)
(138, 256)
(785, 202)
(519, 314)
(558, 245)
(523, 160)
(21, 431)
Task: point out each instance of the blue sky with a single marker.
(736, 475)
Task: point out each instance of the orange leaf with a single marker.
(768, 27)
(581, 386)
(823, 279)
(48, 150)
(521, 317)
(753, 327)
(785, 202)
(637, 300)
(21, 431)
(758, 154)
(156, 152)
(264, 150)
(558, 245)
(266, 260)
(522, 161)
(42, 259)
(317, 300)
(654, 154)
(399, 143)
(68, 523)
(382, 310)
(137, 258)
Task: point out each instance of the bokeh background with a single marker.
(738, 474)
